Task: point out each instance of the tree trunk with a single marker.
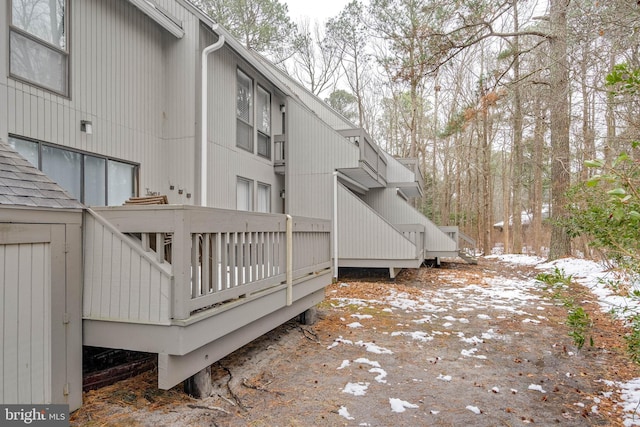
(517, 141)
(538, 150)
(506, 237)
(560, 245)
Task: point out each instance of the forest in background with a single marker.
(524, 114)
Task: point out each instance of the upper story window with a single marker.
(244, 112)
(263, 122)
(38, 43)
(92, 179)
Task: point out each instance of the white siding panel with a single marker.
(364, 234)
(397, 211)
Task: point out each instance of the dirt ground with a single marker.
(450, 346)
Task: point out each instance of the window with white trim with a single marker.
(92, 179)
(244, 194)
(264, 198)
(263, 122)
(244, 111)
(38, 43)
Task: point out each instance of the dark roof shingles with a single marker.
(22, 184)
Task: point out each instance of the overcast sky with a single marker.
(314, 9)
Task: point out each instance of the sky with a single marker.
(314, 9)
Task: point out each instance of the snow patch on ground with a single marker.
(595, 276)
(517, 259)
(374, 348)
(398, 405)
(417, 335)
(536, 387)
(343, 412)
(474, 409)
(357, 389)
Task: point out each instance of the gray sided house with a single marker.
(376, 224)
(107, 99)
(41, 282)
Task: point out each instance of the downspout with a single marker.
(203, 119)
(335, 226)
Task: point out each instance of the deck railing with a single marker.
(371, 157)
(415, 233)
(217, 256)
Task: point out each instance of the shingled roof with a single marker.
(22, 184)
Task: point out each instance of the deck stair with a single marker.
(467, 249)
(468, 257)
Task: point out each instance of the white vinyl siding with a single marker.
(38, 43)
(244, 112)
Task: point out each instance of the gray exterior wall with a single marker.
(314, 152)
(225, 159)
(116, 81)
(396, 171)
(397, 211)
(40, 274)
(140, 87)
(321, 109)
(364, 234)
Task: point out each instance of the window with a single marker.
(263, 123)
(95, 183)
(94, 180)
(64, 167)
(244, 112)
(244, 194)
(264, 198)
(38, 51)
(121, 182)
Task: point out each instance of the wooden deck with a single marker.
(193, 284)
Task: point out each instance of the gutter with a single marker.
(335, 226)
(203, 118)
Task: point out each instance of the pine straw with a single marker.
(110, 405)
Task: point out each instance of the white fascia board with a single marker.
(153, 11)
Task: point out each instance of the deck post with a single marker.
(309, 316)
(199, 385)
(289, 260)
(181, 256)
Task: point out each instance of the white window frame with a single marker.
(263, 121)
(267, 189)
(242, 122)
(249, 197)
